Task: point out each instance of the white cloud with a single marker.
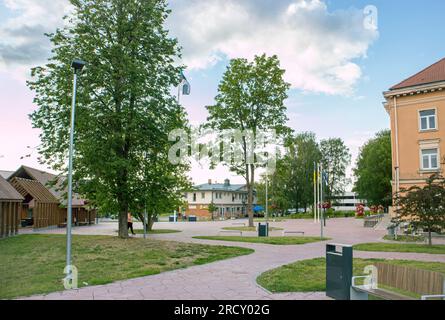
(315, 46)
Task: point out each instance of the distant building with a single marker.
(416, 107)
(346, 202)
(230, 200)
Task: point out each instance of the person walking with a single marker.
(130, 223)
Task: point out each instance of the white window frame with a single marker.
(422, 168)
(436, 122)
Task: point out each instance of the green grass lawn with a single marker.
(310, 275)
(156, 231)
(33, 264)
(401, 247)
(266, 240)
(404, 238)
(250, 229)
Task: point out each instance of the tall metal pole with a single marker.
(70, 181)
(267, 199)
(179, 93)
(318, 192)
(315, 192)
(321, 199)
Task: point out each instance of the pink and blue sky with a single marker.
(338, 68)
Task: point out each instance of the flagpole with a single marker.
(321, 201)
(318, 192)
(315, 192)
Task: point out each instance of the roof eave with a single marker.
(419, 89)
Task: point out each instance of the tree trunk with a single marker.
(430, 239)
(250, 196)
(123, 224)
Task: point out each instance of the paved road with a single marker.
(232, 279)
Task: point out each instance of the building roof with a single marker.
(433, 73)
(7, 191)
(6, 174)
(33, 188)
(54, 183)
(219, 187)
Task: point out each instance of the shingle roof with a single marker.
(6, 174)
(33, 188)
(433, 73)
(7, 191)
(55, 184)
(219, 187)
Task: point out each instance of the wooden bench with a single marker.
(232, 231)
(285, 232)
(426, 284)
(372, 221)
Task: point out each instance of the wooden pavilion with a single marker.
(10, 207)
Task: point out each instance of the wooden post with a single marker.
(8, 218)
(2, 221)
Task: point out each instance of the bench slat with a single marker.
(384, 294)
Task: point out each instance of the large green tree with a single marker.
(373, 170)
(291, 185)
(335, 157)
(125, 106)
(277, 192)
(303, 152)
(250, 96)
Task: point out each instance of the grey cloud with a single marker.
(22, 35)
(32, 45)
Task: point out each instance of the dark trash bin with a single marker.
(263, 229)
(171, 219)
(338, 271)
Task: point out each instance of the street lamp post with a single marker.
(321, 199)
(267, 198)
(77, 65)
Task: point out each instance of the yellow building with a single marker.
(417, 111)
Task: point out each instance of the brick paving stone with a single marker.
(232, 279)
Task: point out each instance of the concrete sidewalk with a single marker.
(233, 279)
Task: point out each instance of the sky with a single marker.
(338, 65)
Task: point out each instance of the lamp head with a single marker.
(78, 65)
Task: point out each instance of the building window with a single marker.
(430, 159)
(427, 120)
(194, 197)
(203, 195)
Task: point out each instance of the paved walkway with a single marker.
(232, 279)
